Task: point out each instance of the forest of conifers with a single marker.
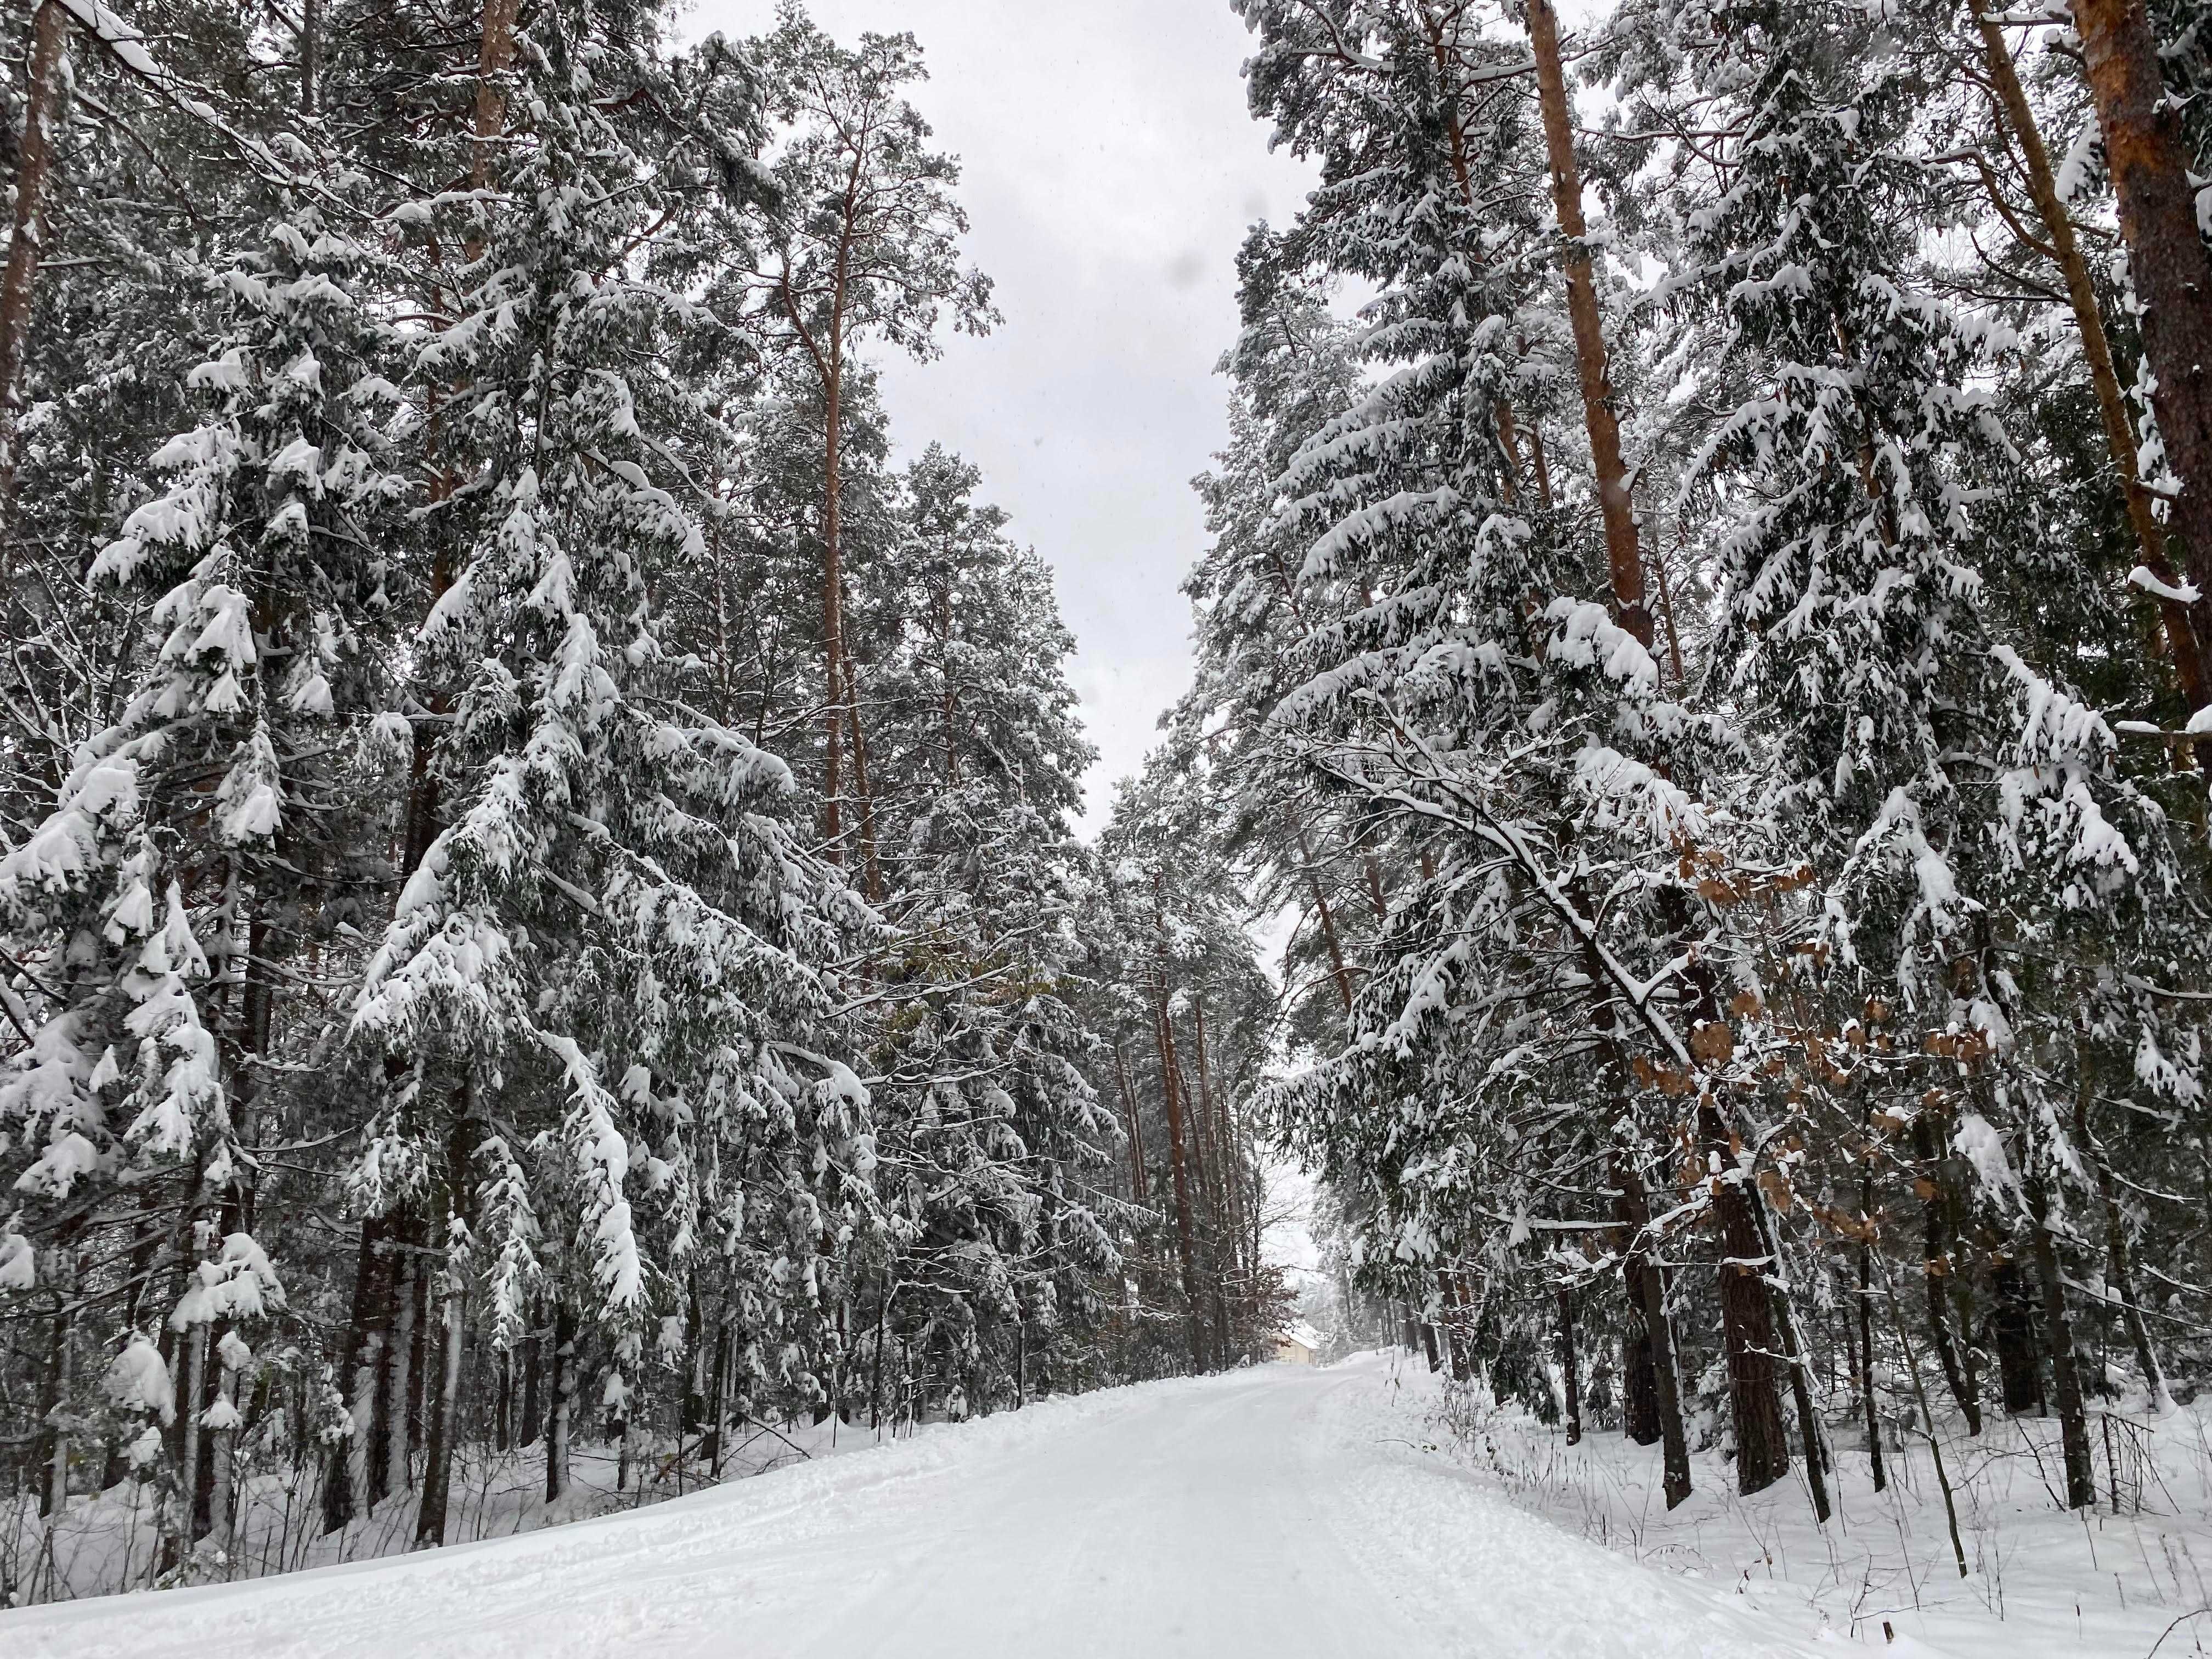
(538, 879)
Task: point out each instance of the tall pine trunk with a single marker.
(2148, 161)
(1138, 1183)
(1624, 558)
(2065, 251)
(45, 76)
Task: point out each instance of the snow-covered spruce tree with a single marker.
(1294, 369)
(196, 840)
(1991, 886)
(993, 1135)
(602, 1000)
(1190, 1025)
(1479, 683)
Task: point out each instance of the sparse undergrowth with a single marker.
(2132, 1575)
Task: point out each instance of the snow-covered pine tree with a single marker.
(864, 244)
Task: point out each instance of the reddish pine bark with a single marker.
(2149, 163)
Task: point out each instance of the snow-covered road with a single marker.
(1281, 1512)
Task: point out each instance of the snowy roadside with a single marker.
(418, 1603)
(2041, 1580)
(1441, 1516)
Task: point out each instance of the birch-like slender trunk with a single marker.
(221, 1502)
(188, 1461)
(54, 1495)
(399, 1370)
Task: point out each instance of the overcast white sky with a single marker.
(1109, 171)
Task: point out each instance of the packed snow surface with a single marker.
(1281, 1511)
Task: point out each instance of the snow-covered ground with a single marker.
(1279, 1513)
(2042, 1580)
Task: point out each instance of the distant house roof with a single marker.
(1304, 1335)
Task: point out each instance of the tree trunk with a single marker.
(2065, 251)
(1762, 1445)
(1937, 1267)
(1138, 1183)
(833, 608)
(418, 1369)
(1785, 1315)
(345, 1478)
(53, 1492)
(533, 1390)
(191, 1406)
(1624, 561)
(399, 1368)
(1868, 1400)
(311, 18)
(1462, 1331)
(46, 75)
(1639, 1383)
(1186, 1245)
(871, 870)
(225, 1485)
(2066, 1377)
(1337, 968)
(1206, 1165)
(1227, 1165)
(2149, 162)
(453, 1310)
(558, 1419)
(2012, 1327)
(1635, 1215)
(1569, 1372)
